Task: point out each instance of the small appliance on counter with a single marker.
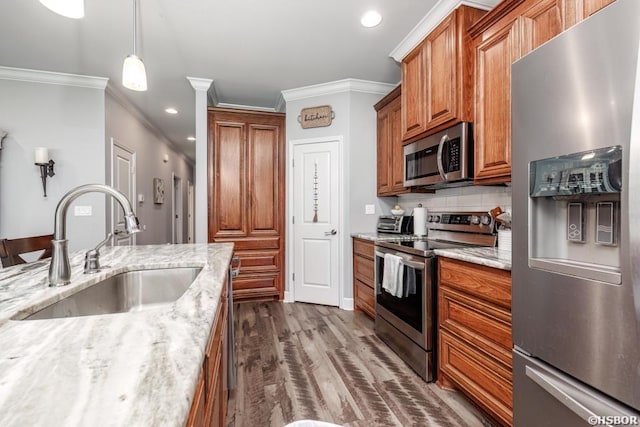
(395, 224)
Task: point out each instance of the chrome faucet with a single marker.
(60, 269)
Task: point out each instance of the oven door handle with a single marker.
(444, 139)
(413, 264)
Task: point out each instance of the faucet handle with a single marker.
(92, 257)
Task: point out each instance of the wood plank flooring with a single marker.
(301, 361)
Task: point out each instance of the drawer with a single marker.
(258, 261)
(251, 243)
(482, 324)
(262, 286)
(363, 247)
(364, 298)
(363, 270)
(488, 283)
(486, 381)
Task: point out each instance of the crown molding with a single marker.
(198, 83)
(125, 103)
(440, 10)
(245, 107)
(338, 86)
(281, 104)
(52, 77)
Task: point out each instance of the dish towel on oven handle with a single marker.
(409, 281)
(392, 275)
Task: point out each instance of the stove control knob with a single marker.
(475, 219)
(436, 218)
(430, 218)
(486, 220)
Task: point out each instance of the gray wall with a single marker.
(69, 121)
(126, 126)
(355, 121)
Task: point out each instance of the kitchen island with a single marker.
(124, 369)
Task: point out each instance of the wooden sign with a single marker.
(316, 117)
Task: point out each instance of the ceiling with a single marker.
(252, 49)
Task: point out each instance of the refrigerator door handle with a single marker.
(555, 389)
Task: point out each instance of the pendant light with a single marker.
(69, 8)
(134, 75)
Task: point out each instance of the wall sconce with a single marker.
(46, 166)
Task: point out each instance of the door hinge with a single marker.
(293, 163)
(293, 276)
(293, 219)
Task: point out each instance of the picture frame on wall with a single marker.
(158, 190)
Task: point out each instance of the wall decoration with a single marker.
(315, 117)
(158, 190)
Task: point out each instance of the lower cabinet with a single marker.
(363, 277)
(209, 407)
(474, 336)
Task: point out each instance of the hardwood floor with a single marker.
(302, 361)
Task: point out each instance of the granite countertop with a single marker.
(125, 369)
(491, 257)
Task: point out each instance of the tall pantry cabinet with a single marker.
(246, 185)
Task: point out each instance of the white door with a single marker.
(190, 208)
(123, 179)
(177, 209)
(316, 187)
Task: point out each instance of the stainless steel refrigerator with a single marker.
(576, 225)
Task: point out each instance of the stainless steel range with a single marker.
(406, 298)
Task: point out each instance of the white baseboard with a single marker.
(288, 297)
(347, 304)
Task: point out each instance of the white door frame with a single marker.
(190, 212)
(134, 158)
(176, 198)
(289, 296)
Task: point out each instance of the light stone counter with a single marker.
(126, 369)
(491, 257)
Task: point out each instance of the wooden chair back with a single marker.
(11, 249)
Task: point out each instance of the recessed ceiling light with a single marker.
(371, 19)
(171, 110)
(191, 138)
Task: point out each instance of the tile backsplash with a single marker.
(472, 198)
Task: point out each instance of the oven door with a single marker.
(413, 313)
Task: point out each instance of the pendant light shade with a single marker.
(134, 75)
(69, 8)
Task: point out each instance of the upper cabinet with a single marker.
(437, 77)
(390, 150)
(511, 30)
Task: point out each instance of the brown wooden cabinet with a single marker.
(512, 29)
(437, 77)
(209, 407)
(363, 276)
(474, 336)
(246, 196)
(390, 152)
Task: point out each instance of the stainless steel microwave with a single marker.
(440, 159)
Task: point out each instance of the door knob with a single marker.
(331, 233)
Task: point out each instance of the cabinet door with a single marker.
(413, 93)
(541, 22)
(263, 179)
(384, 144)
(495, 54)
(396, 148)
(228, 214)
(441, 71)
(586, 8)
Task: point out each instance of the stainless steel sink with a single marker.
(126, 292)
